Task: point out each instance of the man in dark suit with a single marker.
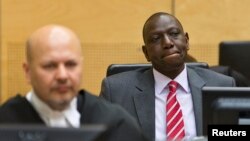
(143, 92)
(54, 69)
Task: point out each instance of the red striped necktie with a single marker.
(175, 124)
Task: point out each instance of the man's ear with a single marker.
(187, 36)
(144, 49)
(26, 69)
(187, 40)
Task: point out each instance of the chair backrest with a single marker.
(235, 54)
(118, 68)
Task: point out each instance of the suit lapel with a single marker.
(196, 83)
(144, 100)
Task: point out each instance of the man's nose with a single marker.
(62, 73)
(167, 42)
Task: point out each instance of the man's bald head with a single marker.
(54, 65)
(49, 35)
(152, 19)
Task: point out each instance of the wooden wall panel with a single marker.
(212, 21)
(110, 32)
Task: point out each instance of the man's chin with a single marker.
(60, 104)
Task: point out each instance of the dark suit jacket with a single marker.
(121, 125)
(240, 79)
(134, 90)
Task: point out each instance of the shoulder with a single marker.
(241, 80)
(211, 76)
(16, 109)
(97, 107)
(208, 72)
(120, 123)
(14, 103)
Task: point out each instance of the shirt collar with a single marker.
(70, 113)
(161, 81)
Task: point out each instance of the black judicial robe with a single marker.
(93, 110)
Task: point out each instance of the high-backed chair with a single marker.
(234, 61)
(118, 68)
(235, 54)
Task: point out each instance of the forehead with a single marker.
(162, 22)
(53, 40)
(57, 51)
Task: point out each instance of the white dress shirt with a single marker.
(69, 117)
(184, 97)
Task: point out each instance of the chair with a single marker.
(235, 54)
(118, 68)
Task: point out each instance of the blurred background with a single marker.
(111, 32)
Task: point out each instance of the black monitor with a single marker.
(43, 133)
(235, 54)
(225, 106)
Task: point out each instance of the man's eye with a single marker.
(155, 38)
(174, 34)
(49, 66)
(71, 64)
